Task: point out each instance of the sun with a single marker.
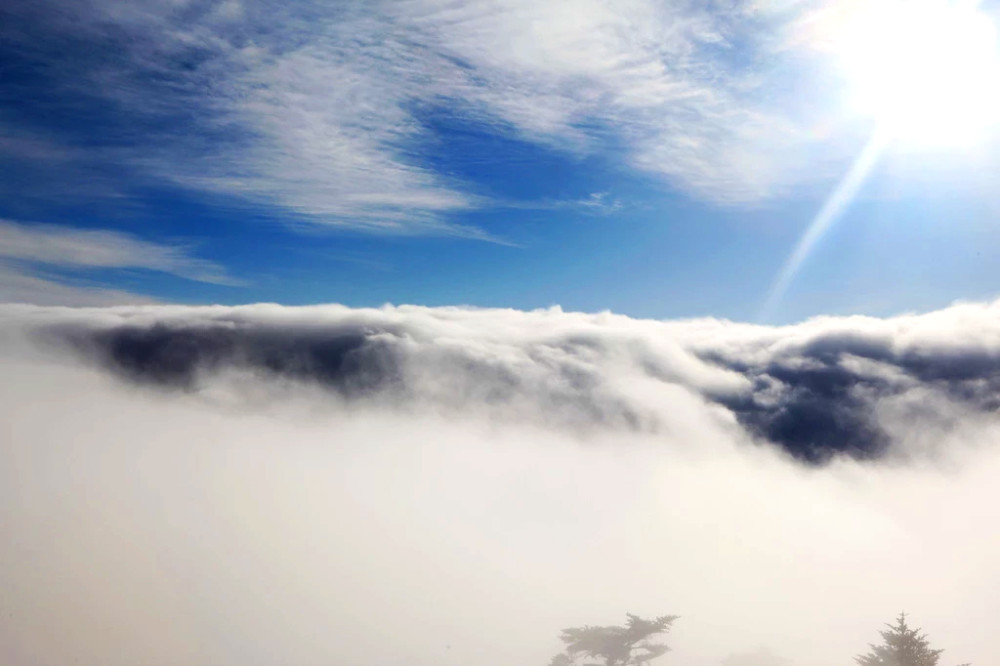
(927, 71)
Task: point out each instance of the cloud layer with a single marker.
(454, 486)
(822, 388)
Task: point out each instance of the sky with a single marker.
(412, 333)
(658, 159)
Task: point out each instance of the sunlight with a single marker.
(926, 71)
(838, 201)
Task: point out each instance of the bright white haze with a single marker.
(487, 501)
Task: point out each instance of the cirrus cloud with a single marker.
(68, 247)
(320, 111)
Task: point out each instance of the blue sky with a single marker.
(659, 159)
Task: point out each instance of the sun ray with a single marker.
(928, 73)
(838, 201)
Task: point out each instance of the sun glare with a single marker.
(928, 72)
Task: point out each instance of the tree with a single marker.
(901, 646)
(628, 645)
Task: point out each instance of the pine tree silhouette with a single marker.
(902, 646)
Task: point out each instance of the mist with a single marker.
(452, 486)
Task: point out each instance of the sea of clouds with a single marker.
(452, 486)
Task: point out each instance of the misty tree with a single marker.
(901, 646)
(627, 645)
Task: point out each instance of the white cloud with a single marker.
(319, 109)
(412, 483)
(333, 134)
(18, 285)
(664, 78)
(822, 388)
(68, 247)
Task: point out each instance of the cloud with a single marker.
(761, 657)
(68, 247)
(34, 257)
(823, 388)
(452, 486)
(18, 285)
(321, 111)
(669, 82)
(263, 105)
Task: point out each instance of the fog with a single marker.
(419, 486)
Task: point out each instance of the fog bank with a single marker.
(451, 486)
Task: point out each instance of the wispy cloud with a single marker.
(24, 246)
(316, 109)
(19, 284)
(99, 248)
(596, 203)
(667, 80)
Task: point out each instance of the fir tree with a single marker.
(901, 646)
